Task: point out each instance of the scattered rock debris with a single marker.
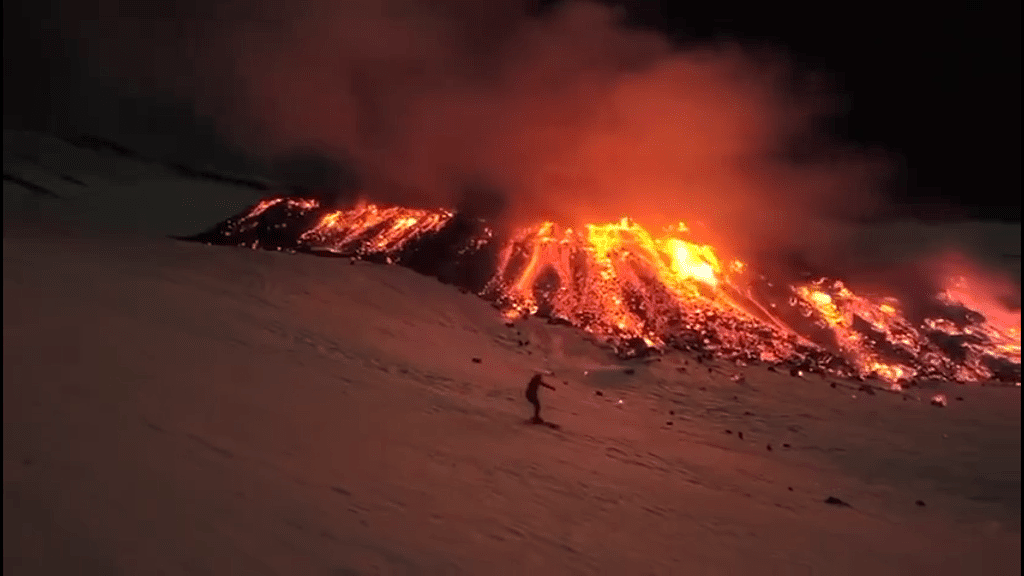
(790, 488)
(740, 434)
(728, 431)
(785, 445)
(769, 447)
(960, 398)
(837, 502)
(870, 391)
(598, 393)
(939, 400)
(477, 360)
(668, 423)
(671, 412)
(919, 502)
(832, 384)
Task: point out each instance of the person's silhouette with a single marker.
(531, 395)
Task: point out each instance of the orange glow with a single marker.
(1001, 326)
(624, 285)
(374, 229)
(299, 203)
(692, 261)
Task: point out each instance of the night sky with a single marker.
(938, 88)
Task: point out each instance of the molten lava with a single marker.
(642, 292)
(369, 229)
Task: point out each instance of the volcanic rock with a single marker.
(836, 502)
(640, 293)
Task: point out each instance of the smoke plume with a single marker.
(563, 113)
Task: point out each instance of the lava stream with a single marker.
(642, 292)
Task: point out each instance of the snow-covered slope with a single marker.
(179, 408)
(99, 189)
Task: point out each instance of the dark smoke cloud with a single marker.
(562, 113)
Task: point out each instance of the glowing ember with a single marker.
(641, 292)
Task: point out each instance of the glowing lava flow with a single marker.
(839, 310)
(370, 229)
(620, 283)
(641, 292)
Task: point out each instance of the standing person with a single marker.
(531, 395)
